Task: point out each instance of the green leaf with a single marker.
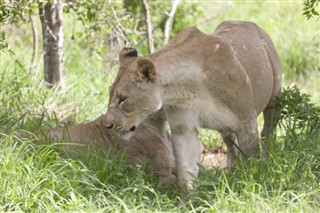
(314, 12)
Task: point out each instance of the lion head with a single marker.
(134, 94)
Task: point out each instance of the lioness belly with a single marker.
(214, 115)
(204, 113)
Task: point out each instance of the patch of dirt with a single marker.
(214, 158)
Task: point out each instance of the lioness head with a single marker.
(134, 94)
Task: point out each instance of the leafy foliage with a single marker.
(298, 110)
(310, 8)
(14, 12)
(187, 14)
(101, 20)
(4, 46)
(17, 11)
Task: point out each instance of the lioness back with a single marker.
(243, 38)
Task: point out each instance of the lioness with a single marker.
(221, 81)
(151, 142)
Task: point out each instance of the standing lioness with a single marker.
(221, 81)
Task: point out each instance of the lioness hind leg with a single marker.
(271, 116)
(271, 113)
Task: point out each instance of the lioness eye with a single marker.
(121, 99)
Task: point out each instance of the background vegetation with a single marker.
(37, 178)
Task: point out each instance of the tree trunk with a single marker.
(149, 26)
(52, 32)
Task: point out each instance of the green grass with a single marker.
(38, 178)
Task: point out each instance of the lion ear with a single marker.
(127, 53)
(145, 72)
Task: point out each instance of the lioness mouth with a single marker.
(132, 129)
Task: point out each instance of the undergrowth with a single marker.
(40, 178)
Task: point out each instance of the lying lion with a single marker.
(150, 143)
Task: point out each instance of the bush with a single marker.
(298, 112)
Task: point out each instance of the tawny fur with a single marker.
(150, 142)
(221, 81)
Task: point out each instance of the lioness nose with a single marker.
(132, 129)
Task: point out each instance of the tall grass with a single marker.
(36, 178)
(39, 178)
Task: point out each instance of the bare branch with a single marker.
(148, 25)
(154, 29)
(168, 26)
(221, 10)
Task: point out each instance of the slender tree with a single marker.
(53, 41)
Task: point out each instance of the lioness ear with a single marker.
(145, 72)
(127, 53)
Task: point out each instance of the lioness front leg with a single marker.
(187, 151)
(248, 139)
(230, 140)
